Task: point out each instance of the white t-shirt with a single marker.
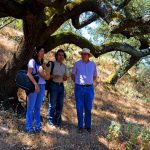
(32, 64)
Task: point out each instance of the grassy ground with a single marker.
(108, 106)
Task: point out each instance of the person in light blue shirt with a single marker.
(84, 73)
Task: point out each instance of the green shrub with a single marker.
(134, 136)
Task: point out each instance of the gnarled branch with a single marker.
(128, 64)
(132, 23)
(136, 55)
(72, 10)
(11, 8)
(123, 4)
(76, 23)
(68, 37)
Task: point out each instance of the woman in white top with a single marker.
(35, 99)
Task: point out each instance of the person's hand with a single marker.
(37, 89)
(44, 72)
(65, 77)
(44, 66)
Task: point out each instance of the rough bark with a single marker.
(129, 24)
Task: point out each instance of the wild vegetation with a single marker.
(120, 113)
(117, 32)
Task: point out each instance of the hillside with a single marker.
(121, 114)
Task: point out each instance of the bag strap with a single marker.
(35, 66)
(52, 66)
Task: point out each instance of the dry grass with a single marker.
(108, 106)
(8, 44)
(10, 32)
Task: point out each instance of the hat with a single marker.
(86, 50)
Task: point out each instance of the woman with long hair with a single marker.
(35, 99)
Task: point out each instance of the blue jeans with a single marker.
(33, 108)
(55, 103)
(84, 100)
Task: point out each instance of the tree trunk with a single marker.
(8, 89)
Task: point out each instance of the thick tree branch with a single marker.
(68, 37)
(76, 23)
(123, 4)
(145, 43)
(144, 30)
(124, 47)
(11, 8)
(72, 10)
(71, 38)
(132, 23)
(128, 64)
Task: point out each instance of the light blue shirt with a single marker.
(32, 65)
(84, 72)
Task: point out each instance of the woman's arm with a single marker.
(29, 74)
(44, 72)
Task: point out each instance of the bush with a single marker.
(135, 137)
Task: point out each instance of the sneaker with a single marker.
(38, 130)
(80, 130)
(31, 131)
(88, 130)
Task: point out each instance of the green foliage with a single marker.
(145, 138)
(138, 8)
(5, 21)
(133, 135)
(11, 22)
(49, 13)
(114, 131)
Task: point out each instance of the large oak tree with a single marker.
(39, 29)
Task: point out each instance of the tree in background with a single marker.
(42, 18)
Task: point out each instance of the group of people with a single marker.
(83, 74)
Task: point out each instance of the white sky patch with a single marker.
(85, 32)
